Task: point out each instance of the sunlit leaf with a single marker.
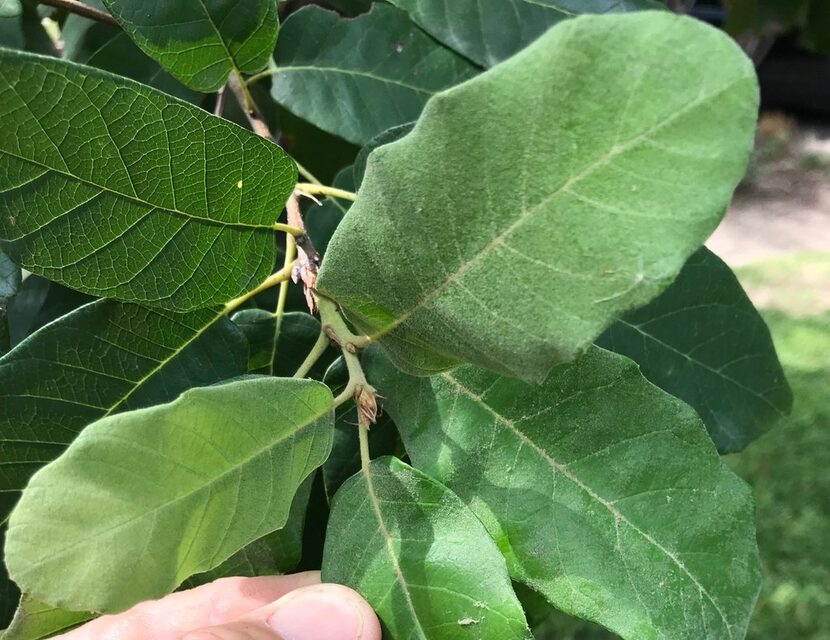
(534, 204)
(420, 558)
(35, 620)
(125, 192)
(168, 491)
(604, 493)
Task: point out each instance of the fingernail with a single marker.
(317, 613)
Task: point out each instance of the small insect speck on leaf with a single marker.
(398, 47)
(466, 622)
(239, 184)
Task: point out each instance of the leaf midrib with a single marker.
(136, 199)
(608, 505)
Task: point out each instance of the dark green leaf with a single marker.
(604, 493)
(9, 284)
(106, 47)
(35, 620)
(488, 31)
(420, 557)
(9, 593)
(39, 302)
(321, 222)
(11, 33)
(201, 42)
(534, 204)
(104, 358)
(358, 77)
(169, 491)
(281, 357)
(704, 342)
(10, 8)
(390, 135)
(125, 192)
(351, 8)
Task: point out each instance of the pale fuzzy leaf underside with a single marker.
(534, 204)
(604, 492)
(127, 193)
(168, 491)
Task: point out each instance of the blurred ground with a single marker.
(777, 238)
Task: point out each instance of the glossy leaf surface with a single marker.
(703, 341)
(358, 77)
(104, 358)
(127, 193)
(169, 491)
(605, 493)
(515, 242)
(488, 31)
(201, 42)
(420, 558)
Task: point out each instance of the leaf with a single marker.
(703, 341)
(416, 553)
(534, 204)
(35, 620)
(201, 43)
(385, 137)
(10, 8)
(604, 493)
(108, 48)
(9, 593)
(169, 491)
(321, 222)
(125, 192)
(298, 333)
(488, 31)
(39, 302)
(9, 284)
(104, 358)
(356, 78)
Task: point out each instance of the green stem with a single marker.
(305, 173)
(322, 190)
(313, 356)
(287, 228)
(334, 323)
(73, 6)
(290, 256)
(273, 280)
(365, 456)
(260, 76)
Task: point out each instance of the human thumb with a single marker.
(318, 612)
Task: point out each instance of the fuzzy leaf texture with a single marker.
(420, 558)
(201, 42)
(604, 493)
(534, 204)
(168, 491)
(356, 78)
(102, 359)
(488, 31)
(703, 341)
(127, 193)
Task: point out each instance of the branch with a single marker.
(81, 9)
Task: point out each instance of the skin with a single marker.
(296, 607)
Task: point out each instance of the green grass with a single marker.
(788, 468)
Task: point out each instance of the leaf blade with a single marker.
(604, 493)
(201, 43)
(126, 175)
(703, 341)
(530, 268)
(178, 481)
(397, 503)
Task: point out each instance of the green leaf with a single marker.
(9, 284)
(9, 593)
(104, 358)
(351, 8)
(420, 558)
(125, 192)
(10, 8)
(488, 31)
(534, 204)
(358, 77)
(321, 222)
(201, 43)
(604, 493)
(35, 620)
(385, 137)
(106, 47)
(703, 341)
(283, 356)
(169, 491)
(39, 302)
